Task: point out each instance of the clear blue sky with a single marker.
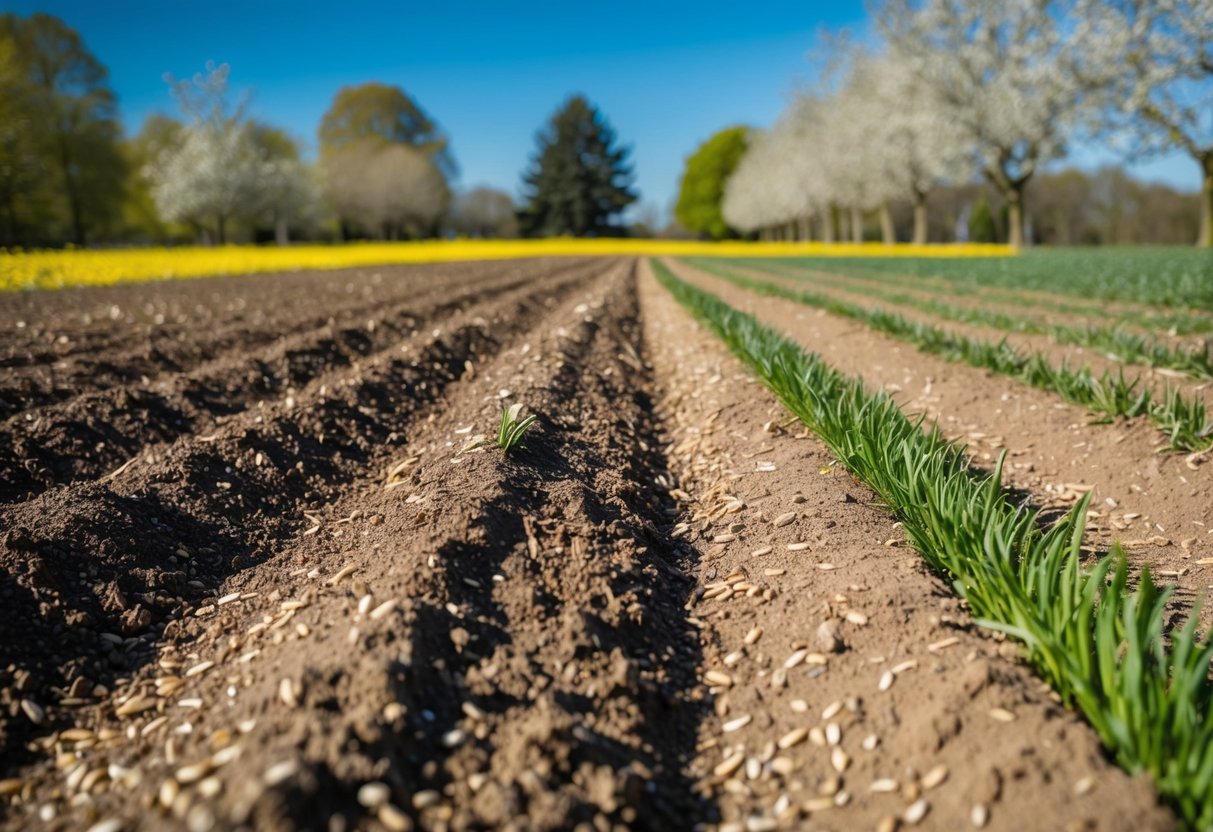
(667, 75)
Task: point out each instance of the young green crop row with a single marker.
(1176, 277)
(1173, 320)
(1128, 347)
(1182, 419)
(1104, 649)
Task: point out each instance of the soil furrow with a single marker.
(1154, 503)
(96, 433)
(850, 688)
(138, 353)
(94, 572)
(529, 666)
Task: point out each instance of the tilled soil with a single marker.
(1155, 502)
(293, 591)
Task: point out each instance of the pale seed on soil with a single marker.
(783, 766)
(135, 705)
(799, 706)
(817, 736)
(717, 679)
(199, 669)
(903, 667)
(287, 693)
(884, 784)
(733, 658)
(943, 644)
(856, 617)
(817, 804)
(887, 824)
(383, 609)
(193, 773)
(364, 604)
(797, 547)
(773, 573)
(916, 812)
(107, 825)
(779, 678)
(736, 724)
(839, 759)
(935, 776)
(393, 818)
(796, 658)
(729, 765)
(979, 815)
(343, 572)
(784, 519)
(886, 680)
(833, 734)
(425, 799)
(1002, 715)
(753, 635)
(152, 726)
(831, 710)
(33, 710)
(792, 738)
(168, 792)
(753, 768)
(1084, 786)
(760, 551)
(373, 794)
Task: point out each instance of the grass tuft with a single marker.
(512, 428)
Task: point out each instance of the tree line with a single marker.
(384, 168)
(958, 90)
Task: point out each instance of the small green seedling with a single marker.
(509, 433)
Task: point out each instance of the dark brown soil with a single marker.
(299, 600)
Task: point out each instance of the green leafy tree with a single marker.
(702, 191)
(981, 224)
(70, 117)
(579, 179)
(384, 113)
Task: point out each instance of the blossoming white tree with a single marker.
(1003, 72)
(1160, 55)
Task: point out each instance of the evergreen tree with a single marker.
(702, 191)
(981, 224)
(579, 180)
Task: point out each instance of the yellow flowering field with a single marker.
(57, 269)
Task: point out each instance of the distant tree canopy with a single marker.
(702, 191)
(385, 113)
(61, 166)
(484, 212)
(579, 180)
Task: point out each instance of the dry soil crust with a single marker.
(325, 613)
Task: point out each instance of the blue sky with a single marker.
(667, 75)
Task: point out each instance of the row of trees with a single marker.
(958, 88)
(384, 167)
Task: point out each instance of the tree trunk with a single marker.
(221, 229)
(856, 225)
(920, 218)
(806, 228)
(828, 231)
(1205, 240)
(887, 234)
(282, 231)
(1014, 197)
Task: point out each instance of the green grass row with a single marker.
(1124, 346)
(1104, 649)
(1183, 419)
(1155, 275)
(1180, 319)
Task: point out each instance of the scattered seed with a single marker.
(1002, 715)
(736, 724)
(799, 706)
(760, 551)
(797, 547)
(753, 635)
(280, 772)
(943, 644)
(193, 773)
(792, 738)
(383, 609)
(870, 742)
(817, 736)
(753, 768)
(364, 604)
(717, 679)
(287, 693)
(425, 799)
(729, 765)
(394, 818)
(856, 617)
(833, 734)
(107, 825)
(934, 777)
(887, 824)
(167, 793)
(884, 784)
(796, 658)
(1084, 786)
(979, 815)
(839, 759)
(33, 710)
(135, 705)
(886, 680)
(227, 599)
(831, 710)
(784, 519)
(343, 572)
(916, 812)
(727, 537)
(773, 573)
(199, 669)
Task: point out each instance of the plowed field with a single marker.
(254, 577)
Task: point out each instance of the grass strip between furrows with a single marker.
(1114, 341)
(1172, 320)
(1104, 649)
(1184, 419)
